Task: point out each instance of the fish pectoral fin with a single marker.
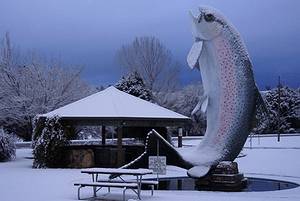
(194, 54)
(204, 105)
(198, 171)
(197, 108)
(201, 105)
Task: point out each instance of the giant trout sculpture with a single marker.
(230, 92)
(229, 88)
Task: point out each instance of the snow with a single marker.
(112, 102)
(266, 159)
(198, 171)
(20, 182)
(271, 142)
(269, 154)
(118, 171)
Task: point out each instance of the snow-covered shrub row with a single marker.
(282, 104)
(7, 147)
(47, 145)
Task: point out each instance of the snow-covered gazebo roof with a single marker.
(114, 107)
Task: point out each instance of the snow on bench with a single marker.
(120, 171)
(109, 184)
(150, 182)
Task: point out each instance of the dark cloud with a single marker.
(89, 32)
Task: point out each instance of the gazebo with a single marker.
(112, 107)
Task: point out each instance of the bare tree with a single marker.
(34, 87)
(184, 101)
(153, 61)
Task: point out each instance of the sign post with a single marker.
(158, 164)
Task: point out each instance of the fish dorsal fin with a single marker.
(260, 103)
(204, 105)
(194, 54)
(260, 107)
(198, 171)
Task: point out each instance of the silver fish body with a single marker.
(230, 89)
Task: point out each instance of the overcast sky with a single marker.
(88, 32)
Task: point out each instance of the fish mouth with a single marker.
(198, 39)
(196, 19)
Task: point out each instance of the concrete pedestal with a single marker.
(223, 177)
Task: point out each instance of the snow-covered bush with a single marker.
(282, 104)
(133, 84)
(7, 147)
(47, 146)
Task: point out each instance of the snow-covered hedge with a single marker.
(7, 147)
(47, 145)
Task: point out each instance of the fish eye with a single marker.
(209, 17)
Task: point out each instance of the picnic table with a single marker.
(118, 181)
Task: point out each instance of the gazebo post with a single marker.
(103, 135)
(179, 139)
(119, 145)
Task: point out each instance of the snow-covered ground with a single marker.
(266, 159)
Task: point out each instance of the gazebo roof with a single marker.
(112, 106)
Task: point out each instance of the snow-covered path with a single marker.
(269, 159)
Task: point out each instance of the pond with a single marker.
(254, 184)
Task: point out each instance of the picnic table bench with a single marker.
(117, 182)
(123, 185)
(150, 183)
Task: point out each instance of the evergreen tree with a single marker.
(7, 147)
(47, 146)
(133, 84)
(282, 103)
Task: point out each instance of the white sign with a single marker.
(158, 164)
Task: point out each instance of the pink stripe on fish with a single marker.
(228, 86)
